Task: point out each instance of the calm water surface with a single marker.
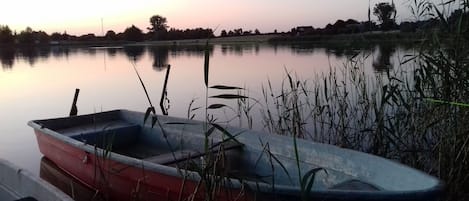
(40, 83)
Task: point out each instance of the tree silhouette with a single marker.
(56, 36)
(26, 36)
(158, 23)
(223, 33)
(6, 36)
(133, 34)
(386, 14)
(110, 35)
(158, 26)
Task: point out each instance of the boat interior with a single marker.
(170, 146)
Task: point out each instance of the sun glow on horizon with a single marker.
(79, 17)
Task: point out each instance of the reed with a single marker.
(416, 113)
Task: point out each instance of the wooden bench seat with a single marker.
(173, 157)
(188, 154)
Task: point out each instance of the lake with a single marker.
(38, 83)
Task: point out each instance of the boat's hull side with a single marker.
(118, 181)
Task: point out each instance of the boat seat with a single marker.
(187, 154)
(174, 157)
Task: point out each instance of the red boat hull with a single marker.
(121, 182)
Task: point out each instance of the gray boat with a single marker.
(164, 159)
(19, 184)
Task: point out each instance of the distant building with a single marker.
(304, 30)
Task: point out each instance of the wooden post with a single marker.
(74, 110)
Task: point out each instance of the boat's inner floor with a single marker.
(139, 150)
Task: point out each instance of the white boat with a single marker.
(19, 184)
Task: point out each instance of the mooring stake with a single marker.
(74, 110)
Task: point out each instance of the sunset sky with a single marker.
(87, 16)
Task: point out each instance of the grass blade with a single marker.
(229, 96)
(216, 106)
(308, 181)
(225, 132)
(224, 87)
(148, 112)
(143, 85)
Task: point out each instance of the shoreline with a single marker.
(217, 40)
(345, 39)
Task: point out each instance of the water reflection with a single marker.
(66, 183)
(240, 49)
(29, 54)
(134, 53)
(161, 54)
(383, 62)
(189, 50)
(60, 51)
(112, 52)
(160, 57)
(7, 58)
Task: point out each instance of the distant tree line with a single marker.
(158, 30)
(239, 32)
(386, 14)
(27, 36)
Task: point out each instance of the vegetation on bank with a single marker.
(388, 31)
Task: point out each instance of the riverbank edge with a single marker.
(368, 37)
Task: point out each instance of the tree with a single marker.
(26, 36)
(223, 33)
(386, 14)
(158, 23)
(6, 36)
(56, 36)
(238, 32)
(158, 26)
(41, 37)
(110, 35)
(133, 34)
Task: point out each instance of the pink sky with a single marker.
(85, 16)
